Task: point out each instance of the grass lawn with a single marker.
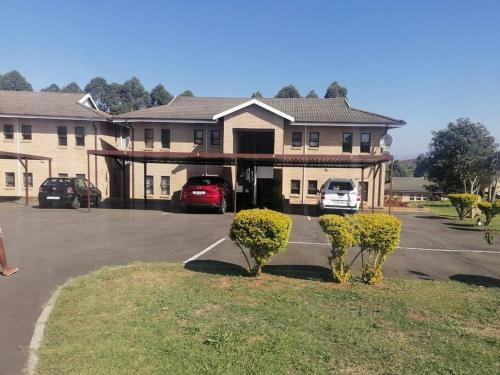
(164, 319)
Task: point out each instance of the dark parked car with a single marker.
(206, 191)
(67, 192)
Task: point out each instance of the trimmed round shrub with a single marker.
(263, 233)
(463, 203)
(489, 210)
(378, 236)
(341, 233)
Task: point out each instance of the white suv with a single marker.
(340, 194)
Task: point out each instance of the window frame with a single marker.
(312, 191)
(292, 190)
(30, 179)
(80, 175)
(26, 135)
(162, 185)
(62, 136)
(8, 135)
(197, 140)
(79, 138)
(296, 143)
(8, 176)
(149, 138)
(363, 144)
(62, 175)
(163, 132)
(347, 150)
(149, 187)
(217, 139)
(312, 143)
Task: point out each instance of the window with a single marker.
(297, 139)
(149, 185)
(10, 179)
(312, 187)
(8, 131)
(165, 138)
(363, 186)
(295, 187)
(62, 175)
(198, 137)
(314, 139)
(26, 132)
(80, 175)
(365, 142)
(215, 137)
(149, 138)
(165, 185)
(29, 180)
(80, 136)
(62, 135)
(347, 142)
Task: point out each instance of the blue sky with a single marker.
(427, 62)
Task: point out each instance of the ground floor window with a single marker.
(295, 187)
(312, 187)
(28, 179)
(10, 179)
(149, 185)
(80, 175)
(165, 185)
(62, 174)
(364, 190)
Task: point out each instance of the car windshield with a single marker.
(57, 182)
(204, 180)
(340, 185)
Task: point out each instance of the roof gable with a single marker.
(257, 103)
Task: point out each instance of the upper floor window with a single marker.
(215, 137)
(297, 139)
(365, 145)
(314, 139)
(198, 137)
(165, 138)
(10, 179)
(26, 132)
(8, 131)
(347, 142)
(80, 136)
(62, 135)
(28, 179)
(149, 138)
(165, 185)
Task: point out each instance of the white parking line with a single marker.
(309, 243)
(204, 251)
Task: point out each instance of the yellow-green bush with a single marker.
(341, 233)
(263, 233)
(463, 203)
(489, 210)
(378, 236)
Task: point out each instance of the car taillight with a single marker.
(322, 195)
(69, 190)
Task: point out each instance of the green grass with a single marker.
(164, 319)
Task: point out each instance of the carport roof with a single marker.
(276, 160)
(17, 155)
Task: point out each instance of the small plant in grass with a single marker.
(463, 203)
(263, 233)
(490, 210)
(341, 233)
(379, 235)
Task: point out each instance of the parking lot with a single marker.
(50, 246)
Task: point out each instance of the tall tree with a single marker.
(51, 88)
(71, 88)
(14, 80)
(134, 94)
(458, 157)
(288, 92)
(186, 93)
(160, 96)
(312, 94)
(97, 89)
(421, 166)
(335, 90)
(256, 95)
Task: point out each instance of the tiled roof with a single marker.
(47, 104)
(302, 109)
(408, 184)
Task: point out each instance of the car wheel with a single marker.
(76, 203)
(42, 205)
(223, 206)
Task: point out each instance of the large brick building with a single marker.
(282, 128)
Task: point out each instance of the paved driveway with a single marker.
(51, 246)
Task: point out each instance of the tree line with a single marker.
(116, 98)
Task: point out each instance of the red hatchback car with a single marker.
(206, 191)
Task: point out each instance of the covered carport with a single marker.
(228, 159)
(23, 159)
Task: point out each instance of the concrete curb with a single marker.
(36, 340)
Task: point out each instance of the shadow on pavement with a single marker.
(420, 275)
(430, 217)
(216, 267)
(477, 280)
